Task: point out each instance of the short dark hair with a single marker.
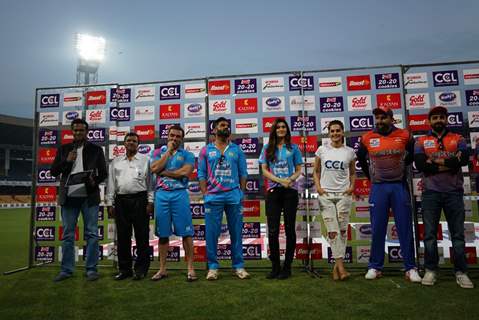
(220, 119)
(335, 122)
(79, 121)
(177, 127)
(132, 134)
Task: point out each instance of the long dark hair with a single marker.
(273, 139)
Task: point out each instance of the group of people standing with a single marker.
(384, 156)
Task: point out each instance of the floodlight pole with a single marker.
(87, 72)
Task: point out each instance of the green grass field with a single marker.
(32, 294)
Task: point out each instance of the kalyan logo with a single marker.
(46, 194)
(356, 83)
(248, 105)
(219, 87)
(46, 155)
(310, 143)
(389, 100)
(170, 111)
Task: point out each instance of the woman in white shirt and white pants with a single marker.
(334, 175)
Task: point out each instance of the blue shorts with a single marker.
(172, 214)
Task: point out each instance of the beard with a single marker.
(223, 133)
(439, 127)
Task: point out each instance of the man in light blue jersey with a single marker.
(172, 166)
(222, 175)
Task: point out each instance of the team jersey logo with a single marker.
(374, 142)
(429, 144)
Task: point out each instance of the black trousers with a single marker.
(130, 211)
(281, 200)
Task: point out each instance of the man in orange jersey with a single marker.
(383, 156)
(439, 155)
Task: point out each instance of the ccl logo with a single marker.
(455, 119)
(395, 254)
(197, 210)
(44, 175)
(361, 123)
(45, 233)
(49, 100)
(96, 135)
(445, 78)
(338, 165)
(120, 114)
(252, 186)
(169, 92)
(298, 83)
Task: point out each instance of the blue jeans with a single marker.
(453, 205)
(90, 226)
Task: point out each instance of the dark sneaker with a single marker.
(62, 276)
(92, 276)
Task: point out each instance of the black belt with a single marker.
(132, 195)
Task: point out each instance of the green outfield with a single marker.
(32, 294)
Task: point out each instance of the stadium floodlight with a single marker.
(91, 52)
(90, 48)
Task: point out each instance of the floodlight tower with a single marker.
(91, 52)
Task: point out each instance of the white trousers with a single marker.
(335, 208)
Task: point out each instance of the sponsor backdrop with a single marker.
(307, 100)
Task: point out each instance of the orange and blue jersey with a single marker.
(388, 155)
(284, 164)
(175, 162)
(221, 171)
(447, 146)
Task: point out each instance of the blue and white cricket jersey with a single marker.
(284, 165)
(175, 162)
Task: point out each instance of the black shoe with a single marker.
(62, 276)
(139, 276)
(122, 276)
(273, 274)
(284, 274)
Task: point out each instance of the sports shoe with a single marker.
(413, 276)
(92, 276)
(463, 280)
(62, 276)
(212, 274)
(373, 274)
(429, 278)
(241, 273)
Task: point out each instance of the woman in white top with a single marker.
(334, 175)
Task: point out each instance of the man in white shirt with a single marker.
(130, 200)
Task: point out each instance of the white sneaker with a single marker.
(373, 274)
(212, 274)
(463, 280)
(429, 278)
(241, 273)
(413, 276)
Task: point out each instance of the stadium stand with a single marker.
(16, 156)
